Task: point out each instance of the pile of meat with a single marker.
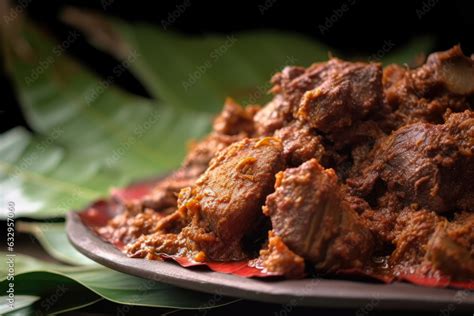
(350, 166)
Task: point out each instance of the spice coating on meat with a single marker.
(277, 258)
(451, 248)
(309, 213)
(300, 143)
(224, 204)
(445, 81)
(343, 98)
(427, 242)
(347, 164)
(429, 165)
(228, 196)
(231, 125)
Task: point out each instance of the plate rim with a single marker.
(326, 293)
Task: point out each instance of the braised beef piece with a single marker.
(451, 248)
(343, 98)
(234, 119)
(445, 81)
(427, 243)
(293, 82)
(307, 94)
(309, 213)
(272, 116)
(320, 111)
(412, 232)
(224, 204)
(429, 165)
(300, 143)
(231, 125)
(227, 198)
(277, 258)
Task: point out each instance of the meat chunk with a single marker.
(424, 94)
(272, 116)
(277, 258)
(165, 193)
(451, 248)
(345, 97)
(412, 231)
(427, 243)
(231, 125)
(450, 69)
(226, 200)
(222, 207)
(234, 119)
(309, 213)
(300, 143)
(429, 165)
(293, 82)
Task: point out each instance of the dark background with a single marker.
(361, 30)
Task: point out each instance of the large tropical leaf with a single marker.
(38, 278)
(22, 302)
(198, 72)
(53, 239)
(51, 304)
(90, 135)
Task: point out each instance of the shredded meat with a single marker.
(413, 230)
(425, 164)
(424, 94)
(277, 258)
(451, 248)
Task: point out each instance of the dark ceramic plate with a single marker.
(306, 292)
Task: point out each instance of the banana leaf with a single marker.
(38, 278)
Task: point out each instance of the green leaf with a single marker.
(200, 72)
(22, 302)
(73, 302)
(35, 277)
(52, 237)
(68, 302)
(91, 136)
(53, 303)
(59, 301)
